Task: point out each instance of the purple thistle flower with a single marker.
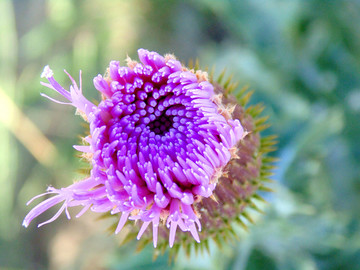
(159, 142)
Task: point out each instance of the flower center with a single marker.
(162, 124)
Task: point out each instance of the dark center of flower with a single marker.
(162, 124)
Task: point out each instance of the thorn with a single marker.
(211, 74)
(228, 81)
(259, 198)
(231, 88)
(213, 198)
(197, 65)
(191, 63)
(231, 109)
(245, 99)
(221, 76)
(266, 189)
(233, 152)
(247, 216)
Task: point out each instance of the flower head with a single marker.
(164, 144)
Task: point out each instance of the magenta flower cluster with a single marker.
(159, 140)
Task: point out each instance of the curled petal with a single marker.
(74, 95)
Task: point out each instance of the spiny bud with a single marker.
(169, 147)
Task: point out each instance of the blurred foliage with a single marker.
(301, 57)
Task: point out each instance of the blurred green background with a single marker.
(301, 57)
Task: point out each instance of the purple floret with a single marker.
(158, 140)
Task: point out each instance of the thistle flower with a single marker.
(168, 147)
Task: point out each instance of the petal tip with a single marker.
(47, 72)
(25, 223)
